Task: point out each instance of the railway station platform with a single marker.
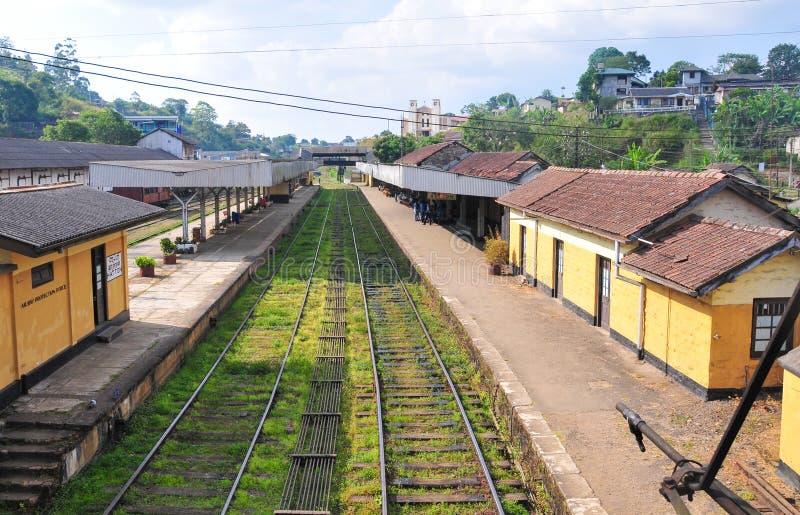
(67, 417)
(562, 376)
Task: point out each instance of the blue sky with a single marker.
(388, 76)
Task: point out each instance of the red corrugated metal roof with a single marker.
(421, 154)
(505, 166)
(700, 250)
(619, 203)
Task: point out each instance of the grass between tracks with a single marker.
(95, 486)
(357, 467)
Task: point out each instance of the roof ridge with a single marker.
(732, 224)
(652, 173)
(39, 187)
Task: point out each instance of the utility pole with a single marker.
(575, 157)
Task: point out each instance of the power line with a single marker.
(451, 45)
(405, 20)
(340, 102)
(340, 113)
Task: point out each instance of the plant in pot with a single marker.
(147, 266)
(168, 250)
(495, 251)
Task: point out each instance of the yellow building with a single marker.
(789, 465)
(690, 270)
(63, 275)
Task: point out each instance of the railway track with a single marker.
(202, 455)
(430, 453)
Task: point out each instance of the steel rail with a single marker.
(116, 500)
(278, 378)
(381, 439)
(484, 467)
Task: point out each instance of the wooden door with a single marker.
(558, 287)
(523, 244)
(99, 284)
(604, 292)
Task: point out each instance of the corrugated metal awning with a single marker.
(436, 181)
(196, 173)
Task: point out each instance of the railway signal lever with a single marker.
(689, 476)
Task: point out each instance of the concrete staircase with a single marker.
(31, 462)
(706, 138)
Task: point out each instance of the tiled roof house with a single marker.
(675, 265)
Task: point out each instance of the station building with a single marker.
(789, 464)
(63, 275)
(691, 270)
(30, 162)
(469, 182)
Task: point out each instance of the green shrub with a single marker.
(144, 261)
(167, 247)
(495, 249)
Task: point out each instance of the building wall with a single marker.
(160, 140)
(446, 156)
(790, 422)
(39, 323)
(8, 365)
(729, 205)
(545, 254)
(40, 177)
(677, 331)
(624, 313)
(731, 365)
(580, 279)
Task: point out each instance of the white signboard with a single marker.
(113, 266)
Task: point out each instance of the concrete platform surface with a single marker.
(573, 373)
(162, 309)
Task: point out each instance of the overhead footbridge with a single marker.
(254, 179)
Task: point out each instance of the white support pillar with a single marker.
(228, 203)
(202, 214)
(216, 209)
(481, 222)
(185, 214)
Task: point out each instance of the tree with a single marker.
(67, 130)
(176, 107)
(108, 126)
(671, 77)
(62, 66)
(503, 100)
(738, 63)
(314, 141)
(17, 102)
(548, 95)
(783, 62)
(638, 63)
(389, 147)
(25, 67)
(304, 141)
(348, 139)
(588, 80)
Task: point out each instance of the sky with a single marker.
(552, 43)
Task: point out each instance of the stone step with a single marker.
(27, 481)
(44, 465)
(109, 334)
(19, 500)
(27, 450)
(37, 435)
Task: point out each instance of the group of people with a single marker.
(429, 211)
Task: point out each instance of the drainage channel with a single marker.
(308, 484)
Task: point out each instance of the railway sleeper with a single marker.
(413, 482)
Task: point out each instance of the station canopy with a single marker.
(197, 173)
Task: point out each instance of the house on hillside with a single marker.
(658, 99)
(697, 80)
(616, 82)
(170, 141)
(690, 270)
(148, 124)
(536, 103)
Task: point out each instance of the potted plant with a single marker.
(168, 250)
(495, 251)
(147, 266)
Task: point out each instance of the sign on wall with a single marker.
(113, 266)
